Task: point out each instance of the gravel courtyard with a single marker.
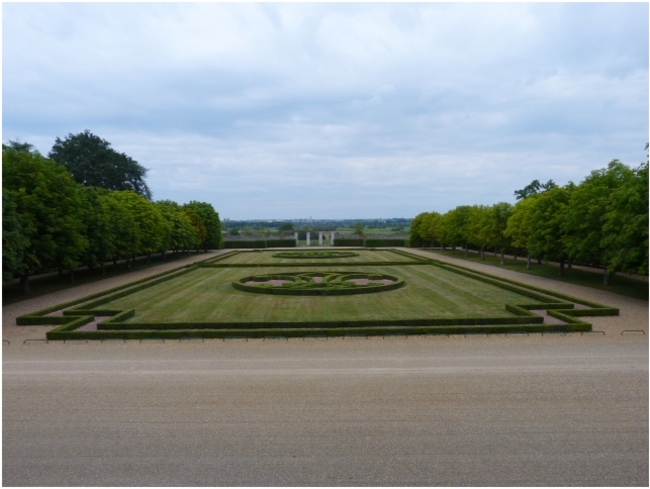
(512, 410)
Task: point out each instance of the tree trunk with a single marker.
(495, 251)
(453, 250)
(528, 261)
(482, 253)
(515, 255)
(607, 277)
(148, 258)
(72, 275)
(503, 261)
(103, 269)
(466, 250)
(569, 263)
(24, 283)
(562, 267)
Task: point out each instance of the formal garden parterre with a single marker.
(298, 297)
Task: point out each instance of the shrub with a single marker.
(348, 242)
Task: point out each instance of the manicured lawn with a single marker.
(206, 295)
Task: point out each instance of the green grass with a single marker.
(619, 284)
(206, 295)
(46, 284)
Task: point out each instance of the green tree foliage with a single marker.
(183, 235)
(91, 161)
(46, 197)
(101, 231)
(625, 224)
(430, 227)
(415, 237)
(285, 228)
(458, 226)
(151, 227)
(200, 230)
(18, 146)
(520, 226)
(501, 213)
(548, 216)
(480, 228)
(358, 228)
(15, 237)
(585, 217)
(211, 221)
(534, 188)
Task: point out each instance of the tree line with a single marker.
(601, 222)
(55, 220)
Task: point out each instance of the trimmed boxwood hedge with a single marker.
(280, 243)
(348, 242)
(259, 243)
(328, 331)
(334, 283)
(380, 242)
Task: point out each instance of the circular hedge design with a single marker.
(315, 254)
(319, 283)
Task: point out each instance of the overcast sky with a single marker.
(334, 110)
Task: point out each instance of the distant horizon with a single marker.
(300, 219)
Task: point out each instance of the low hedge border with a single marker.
(281, 243)
(316, 255)
(347, 242)
(333, 284)
(412, 256)
(381, 242)
(330, 332)
(311, 264)
(243, 327)
(260, 243)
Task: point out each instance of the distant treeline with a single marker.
(50, 222)
(318, 224)
(601, 222)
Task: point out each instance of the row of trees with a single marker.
(52, 222)
(601, 222)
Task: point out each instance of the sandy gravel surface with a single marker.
(499, 410)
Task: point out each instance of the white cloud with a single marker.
(247, 105)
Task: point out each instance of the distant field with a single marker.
(368, 231)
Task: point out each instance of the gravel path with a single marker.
(506, 410)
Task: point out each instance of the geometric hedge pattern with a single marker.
(93, 317)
